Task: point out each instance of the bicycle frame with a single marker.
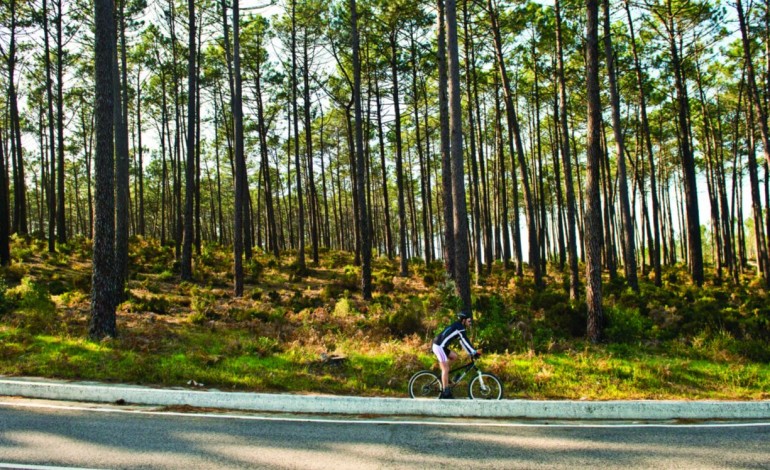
(466, 369)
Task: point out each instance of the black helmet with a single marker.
(463, 315)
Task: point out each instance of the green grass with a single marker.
(675, 342)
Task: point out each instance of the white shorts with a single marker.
(440, 353)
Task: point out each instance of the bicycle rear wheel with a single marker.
(424, 384)
(486, 387)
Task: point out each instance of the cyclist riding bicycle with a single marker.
(455, 331)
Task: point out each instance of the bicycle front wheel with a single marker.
(485, 387)
(424, 384)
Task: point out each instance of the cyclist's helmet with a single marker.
(464, 314)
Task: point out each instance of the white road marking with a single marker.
(39, 467)
(386, 421)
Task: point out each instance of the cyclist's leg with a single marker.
(443, 362)
(446, 367)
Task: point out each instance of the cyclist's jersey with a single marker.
(454, 331)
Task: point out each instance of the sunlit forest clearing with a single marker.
(315, 334)
(297, 195)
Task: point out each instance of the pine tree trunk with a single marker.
(462, 274)
(574, 280)
(121, 165)
(61, 221)
(593, 225)
(404, 266)
(383, 169)
(102, 321)
(694, 247)
(187, 244)
(51, 143)
(627, 223)
(472, 151)
(446, 165)
(312, 196)
(237, 109)
(5, 222)
(363, 224)
(298, 169)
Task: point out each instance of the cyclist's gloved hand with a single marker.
(477, 354)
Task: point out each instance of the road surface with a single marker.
(44, 434)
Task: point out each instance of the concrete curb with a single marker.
(345, 405)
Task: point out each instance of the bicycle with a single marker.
(483, 385)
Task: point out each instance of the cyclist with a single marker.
(455, 331)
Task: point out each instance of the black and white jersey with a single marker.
(455, 331)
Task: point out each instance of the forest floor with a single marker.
(310, 332)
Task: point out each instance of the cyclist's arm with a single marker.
(466, 344)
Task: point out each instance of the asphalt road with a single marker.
(43, 434)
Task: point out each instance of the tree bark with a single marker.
(237, 109)
(298, 169)
(462, 275)
(404, 266)
(187, 241)
(593, 216)
(629, 244)
(363, 224)
(574, 280)
(102, 322)
(446, 165)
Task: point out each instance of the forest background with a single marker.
(540, 163)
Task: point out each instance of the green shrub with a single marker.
(448, 294)
(34, 310)
(383, 281)
(493, 330)
(14, 272)
(256, 294)
(152, 303)
(407, 319)
(203, 303)
(331, 292)
(165, 276)
(262, 346)
(5, 304)
(254, 270)
(626, 325)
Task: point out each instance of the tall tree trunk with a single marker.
(648, 145)
(513, 126)
(420, 153)
(272, 232)
(462, 275)
(51, 136)
(472, 152)
(186, 265)
(102, 321)
(593, 228)
(383, 169)
(541, 233)
(756, 201)
(404, 266)
(574, 280)
(5, 222)
(695, 248)
(363, 224)
(19, 222)
(312, 196)
(298, 169)
(60, 218)
(446, 165)
(503, 189)
(629, 244)
(140, 169)
(121, 164)
(237, 109)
